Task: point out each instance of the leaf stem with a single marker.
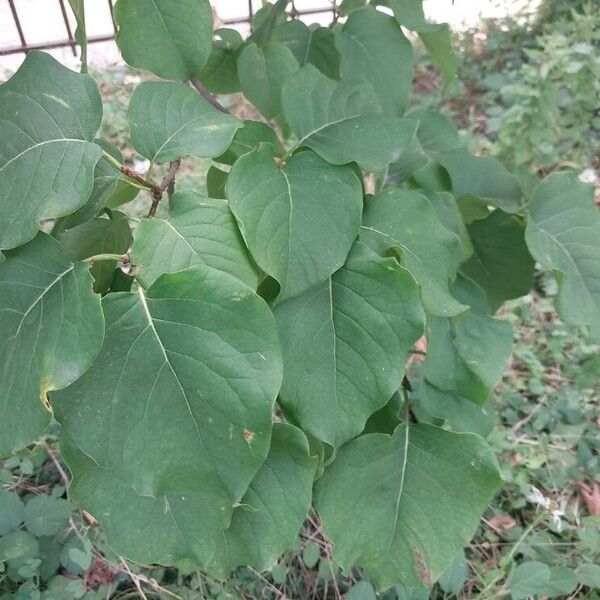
(132, 174)
(100, 257)
(201, 89)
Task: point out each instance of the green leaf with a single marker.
(311, 554)
(460, 414)
(299, 222)
(51, 328)
(367, 41)
(362, 590)
(100, 236)
(409, 13)
(536, 578)
(262, 72)
(45, 515)
(266, 19)
(448, 213)
(273, 509)
(144, 529)
(403, 221)
(219, 74)
(501, 263)
(589, 575)
(345, 343)
(216, 183)
(311, 45)
(11, 511)
(347, 6)
(78, 7)
(76, 555)
(169, 120)
(435, 37)
(467, 354)
(173, 40)
(340, 121)
(250, 137)
(17, 545)
(563, 234)
(198, 231)
(439, 45)
(420, 494)
(188, 418)
(482, 177)
(64, 588)
(455, 576)
(436, 132)
(48, 117)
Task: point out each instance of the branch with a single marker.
(135, 176)
(167, 184)
(199, 87)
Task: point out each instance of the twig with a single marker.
(199, 87)
(167, 184)
(135, 579)
(132, 174)
(52, 455)
(279, 593)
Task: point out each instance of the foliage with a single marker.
(246, 360)
(552, 115)
(535, 90)
(541, 423)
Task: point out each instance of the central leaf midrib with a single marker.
(172, 369)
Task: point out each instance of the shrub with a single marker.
(243, 358)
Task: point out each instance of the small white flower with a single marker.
(536, 497)
(589, 176)
(556, 511)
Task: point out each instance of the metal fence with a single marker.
(69, 40)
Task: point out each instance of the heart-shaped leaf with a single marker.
(170, 120)
(262, 72)
(171, 39)
(345, 343)
(198, 355)
(501, 263)
(563, 234)
(298, 222)
(198, 231)
(48, 117)
(365, 43)
(467, 354)
(405, 222)
(420, 494)
(341, 121)
(310, 45)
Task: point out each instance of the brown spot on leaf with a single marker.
(248, 435)
(424, 574)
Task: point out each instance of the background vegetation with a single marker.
(528, 93)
